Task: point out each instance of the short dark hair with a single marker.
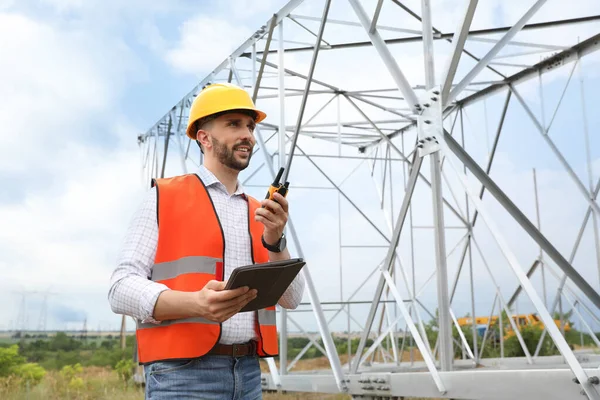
(203, 121)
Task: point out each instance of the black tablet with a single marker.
(270, 280)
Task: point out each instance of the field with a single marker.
(61, 366)
(98, 383)
(104, 384)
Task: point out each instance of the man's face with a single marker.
(232, 139)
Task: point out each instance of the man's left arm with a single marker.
(274, 217)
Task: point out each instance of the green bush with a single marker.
(124, 369)
(13, 365)
(467, 331)
(76, 383)
(531, 336)
(62, 342)
(61, 350)
(10, 359)
(107, 358)
(71, 376)
(29, 373)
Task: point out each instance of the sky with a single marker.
(81, 80)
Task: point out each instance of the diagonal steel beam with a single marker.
(401, 154)
(445, 36)
(556, 335)
(308, 30)
(494, 51)
(583, 322)
(376, 344)
(487, 328)
(164, 162)
(503, 303)
(439, 35)
(262, 64)
(563, 281)
(416, 166)
(572, 54)
(386, 56)
(311, 70)
(415, 333)
(513, 298)
(332, 354)
(376, 16)
(458, 44)
(525, 223)
(557, 153)
(482, 191)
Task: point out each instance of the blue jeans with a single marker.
(209, 377)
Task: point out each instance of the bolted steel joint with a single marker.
(594, 380)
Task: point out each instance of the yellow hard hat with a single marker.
(217, 98)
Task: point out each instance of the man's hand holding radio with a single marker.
(273, 215)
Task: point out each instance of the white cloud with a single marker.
(72, 232)
(149, 34)
(204, 43)
(245, 9)
(56, 84)
(65, 5)
(6, 4)
(69, 160)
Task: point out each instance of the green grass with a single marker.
(98, 384)
(104, 384)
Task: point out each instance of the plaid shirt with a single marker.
(133, 294)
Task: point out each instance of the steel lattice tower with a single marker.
(377, 93)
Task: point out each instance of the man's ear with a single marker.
(202, 137)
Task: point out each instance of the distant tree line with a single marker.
(55, 352)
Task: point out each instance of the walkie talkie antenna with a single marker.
(278, 177)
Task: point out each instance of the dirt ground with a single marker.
(323, 362)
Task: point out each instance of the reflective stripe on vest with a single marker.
(191, 250)
(267, 316)
(185, 265)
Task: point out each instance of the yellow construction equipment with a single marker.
(520, 320)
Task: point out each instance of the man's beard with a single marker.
(227, 156)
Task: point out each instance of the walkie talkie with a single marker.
(277, 187)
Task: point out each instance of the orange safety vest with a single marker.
(191, 252)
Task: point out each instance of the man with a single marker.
(188, 236)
